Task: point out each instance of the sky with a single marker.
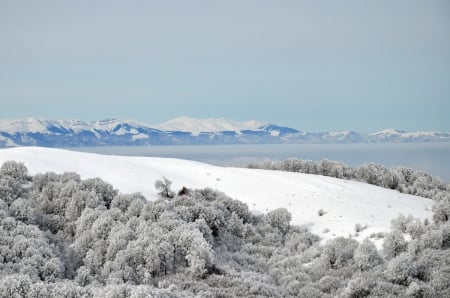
(312, 65)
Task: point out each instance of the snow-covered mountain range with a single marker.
(182, 131)
(345, 203)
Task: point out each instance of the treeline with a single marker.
(61, 236)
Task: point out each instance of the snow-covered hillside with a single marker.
(345, 203)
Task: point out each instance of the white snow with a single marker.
(275, 133)
(36, 125)
(417, 134)
(110, 124)
(340, 133)
(196, 126)
(32, 125)
(387, 132)
(139, 136)
(346, 203)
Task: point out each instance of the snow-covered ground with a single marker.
(346, 203)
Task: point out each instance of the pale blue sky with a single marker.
(313, 65)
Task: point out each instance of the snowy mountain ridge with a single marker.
(197, 126)
(37, 125)
(183, 131)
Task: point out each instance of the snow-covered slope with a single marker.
(346, 203)
(197, 126)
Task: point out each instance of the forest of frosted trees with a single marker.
(61, 236)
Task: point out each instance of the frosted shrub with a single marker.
(366, 256)
(394, 244)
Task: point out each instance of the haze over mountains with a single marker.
(184, 131)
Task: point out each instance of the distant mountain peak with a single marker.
(30, 124)
(109, 120)
(388, 131)
(276, 130)
(197, 126)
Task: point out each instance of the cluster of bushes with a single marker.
(61, 236)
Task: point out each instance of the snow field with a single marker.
(346, 203)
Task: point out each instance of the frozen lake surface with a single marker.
(433, 158)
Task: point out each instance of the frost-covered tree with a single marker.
(199, 254)
(394, 244)
(22, 210)
(15, 170)
(366, 255)
(360, 285)
(398, 270)
(370, 173)
(338, 252)
(331, 168)
(163, 187)
(441, 209)
(13, 176)
(15, 285)
(280, 219)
